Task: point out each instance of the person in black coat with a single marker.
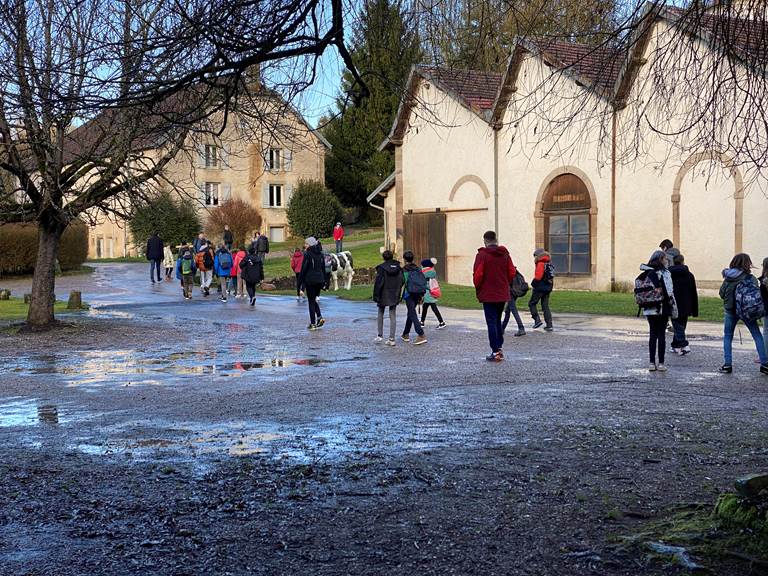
(312, 277)
(387, 289)
(684, 286)
(155, 255)
(252, 271)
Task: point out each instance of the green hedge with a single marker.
(18, 248)
(313, 210)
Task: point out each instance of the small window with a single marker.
(275, 159)
(211, 193)
(211, 156)
(275, 195)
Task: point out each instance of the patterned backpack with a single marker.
(648, 290)
(749, 302)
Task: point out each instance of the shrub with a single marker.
(18, 247)
(176, 221)
(243, 219)
(313, 210)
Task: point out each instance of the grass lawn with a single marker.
(366, 256)
(15, 309)
(351, 235)
(603, 303)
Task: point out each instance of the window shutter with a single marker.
(224, 157)
(265, 195)
(226, 191)
(287, 193)
(201, 155)
(287, 160)
(266, 161)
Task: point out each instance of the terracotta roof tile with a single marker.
(477, 89)
(599, 65)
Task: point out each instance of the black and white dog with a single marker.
(341, 269)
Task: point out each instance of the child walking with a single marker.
(185, 271)
(386, 293)
(687, 298)
(542, 284)
(431, 296)
(659, 309)
(297, 259)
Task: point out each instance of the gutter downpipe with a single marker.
(613, 200)
(386, 228)
(496, 180)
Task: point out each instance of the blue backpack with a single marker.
(749, 302)
(225, 260)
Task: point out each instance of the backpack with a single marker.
(749, 302)
(434, 288)
(225, 260)
(253, 269)
(648, 290)
(549, 272)
(208, 259)
(186, 264)
(262, 244)
(417, 282)
(519, 286)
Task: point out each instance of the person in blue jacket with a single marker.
(185, 270)
(222, 264)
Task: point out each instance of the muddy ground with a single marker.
(160, 437)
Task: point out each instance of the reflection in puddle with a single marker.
(29, 412)
(123, 366)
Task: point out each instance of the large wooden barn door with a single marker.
(425, 236)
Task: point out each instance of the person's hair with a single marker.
(666, 244)
(655, 261)
(489, 236)
(679, 259)
(765, 268)
(408, 256)
(387, 255)
(742, 261)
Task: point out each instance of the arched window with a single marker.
(566, 220)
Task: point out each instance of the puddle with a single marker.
(32, 412)
(129, 367)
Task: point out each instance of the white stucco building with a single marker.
(564, 151)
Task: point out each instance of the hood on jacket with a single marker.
(545, 257)
(733, 274)
(494, 250)
(315, 248)
(390, 268)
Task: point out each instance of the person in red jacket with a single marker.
(492, 274)
(297, 259)
(338, 235)
(542, 284)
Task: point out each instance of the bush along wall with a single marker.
(18, 248)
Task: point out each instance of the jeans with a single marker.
(765, 333)
(425, 308)
(339, 246)
(155, 265)
(730, 327)
(413, 318)
(658, 336)
(206, 277)
(187, 283)
(679, 324)
(392, 321)
(313, 291)
(251, 288)
(544, 298)
(493, 312)
(512, 309)
(298, 286)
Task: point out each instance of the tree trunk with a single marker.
(40, 315)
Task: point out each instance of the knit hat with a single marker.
(428, 262)
(311, 241)
(539, 252)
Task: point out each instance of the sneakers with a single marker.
(405, 338)
(441, 326)
(495, 357)
(320, 322)
(253, 301)
(728, 369)
(390, 342)
(764, 368)
(661, 368)
(312, 327)
(378, 339)
(685, 350)
(549, 329)
(538, 324)
(223, 298)
(652, 368)
(420, 340)
(298, 298)
(520, 332)
(675, 350)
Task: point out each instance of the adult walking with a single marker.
(228, 237)
(262, 246)
(338, 236)
(312, 277)
(542, 284)
(415, 289)
(659, 307)
(297, 259)
(764, 294)
(252, 271)
(687, 299)
(740, 293)
(493, 272)
(155, 255)
(386, 293)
